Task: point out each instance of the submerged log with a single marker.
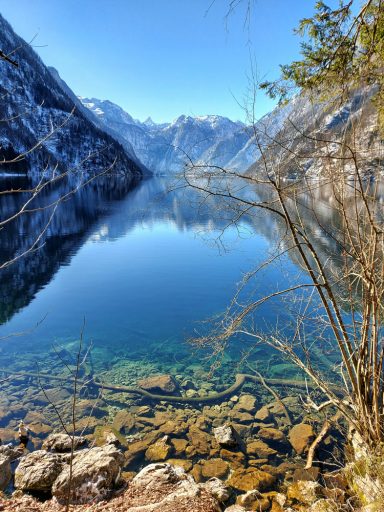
(241, 378)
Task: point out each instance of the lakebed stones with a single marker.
(260, 449)
(183, 463)
(226, 436)
(217, 468)
(124, 421)
(249, 479)
(246, 403)
(106, 434)
(158, 451)
(179, 446)
(304, 492)
(272, 435)
(254, 500)
(263, 414)
(95, 472)
(159, 384)
(235, 459)
(301, 437)
(38, 470)
(200, 442)
(61, 443)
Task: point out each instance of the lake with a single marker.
(144, 272)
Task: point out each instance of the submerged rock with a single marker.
(226, 435)
(158, 451)
(251, 479)
(263, 414)
(246, 403)
(254, 500)
(95, 472)
(260, 449)
(214, 468)
(200, 442)
(37, 471)
(179, 446)
(272, 435)
(124, 421)
(304, 492)
(159, 384)
(301, 437)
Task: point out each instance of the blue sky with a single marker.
(161, 58)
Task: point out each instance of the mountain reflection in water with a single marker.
(141, 267)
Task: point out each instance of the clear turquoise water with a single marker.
(144, 272)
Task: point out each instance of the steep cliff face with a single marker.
(327, 138)
(34, 106)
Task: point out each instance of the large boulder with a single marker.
(169, 489)
(11, 452)
(158, 451)
(63, 443)
(38, 470)
(246, 403)
(5, 471)
(165, 384)
(301, 437)
(249, 479)
(217, 468)
(95, 472)
(260, 449)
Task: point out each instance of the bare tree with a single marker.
(343, 292)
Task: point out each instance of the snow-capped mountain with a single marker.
(204, 140)
(165, 148)
(38, 110)
(313, 142)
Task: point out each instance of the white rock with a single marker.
(37, 471)
(218, 489)
(226, 435)
(162, 486)
(94, 473)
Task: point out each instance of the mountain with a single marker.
(38, 109)
(327, 138)
(166, 148)
(290, 136)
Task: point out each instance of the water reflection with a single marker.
(135, 262)
(62, 234)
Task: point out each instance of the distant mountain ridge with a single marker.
(165, 148)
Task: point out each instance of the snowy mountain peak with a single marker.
(149, 122)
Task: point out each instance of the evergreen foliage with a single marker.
(340, 49)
